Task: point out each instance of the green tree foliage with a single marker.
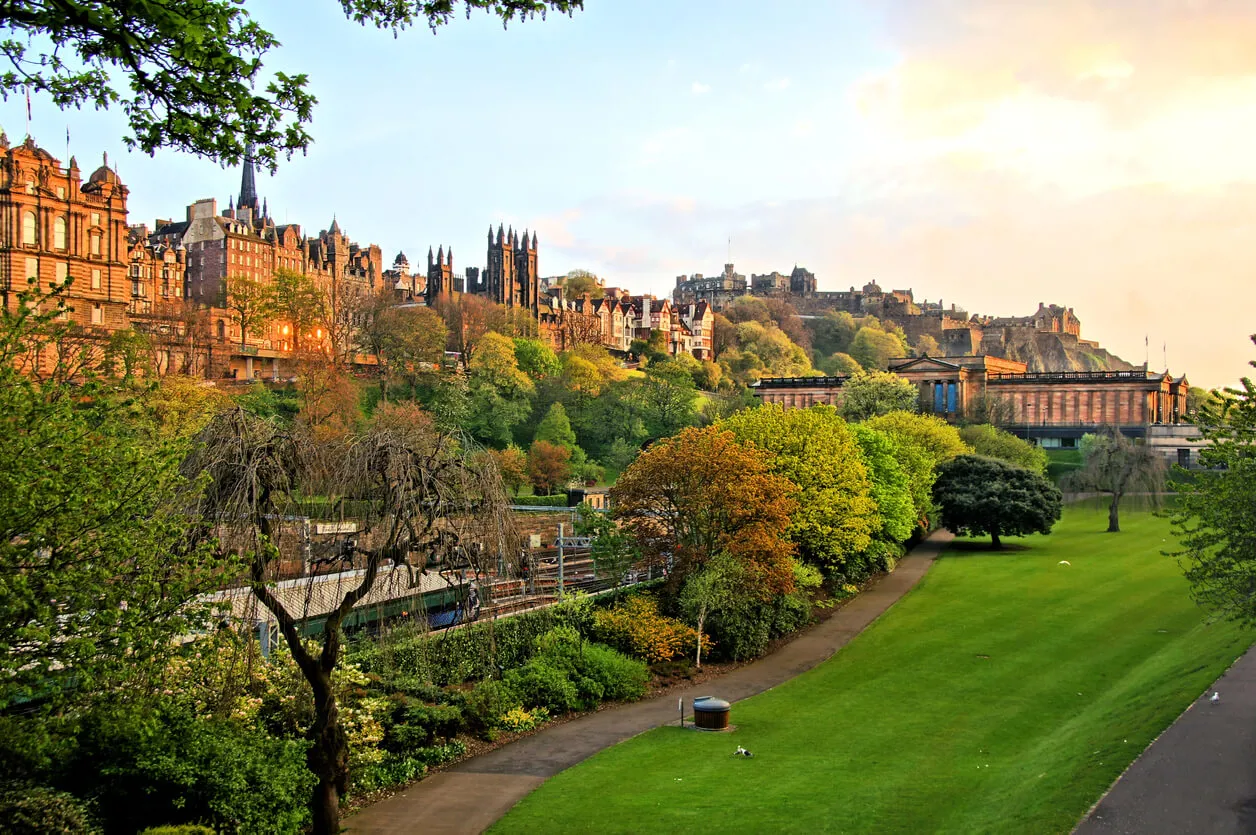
(921, 443)
(763, 351)
(665, 398)
(94, 534)
(842, 365)
(891, 488)
(836, 516)
(498, 390)
(295, 302)
(251, 303)
(833, 332)
(579, 282)
(979, 496)
(1117, 466)
(713, 588)
(926, 346)
(1215, 516)
(995, 443)
(873, 348)
(556, 428)
(536, 359)
(409, 343)
(190, 76)
(867, 395)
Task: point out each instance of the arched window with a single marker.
(28, 228)
(222, 329)
(58, 233)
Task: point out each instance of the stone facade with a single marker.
(1051, 408)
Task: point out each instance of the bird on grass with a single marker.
(1215, 698)
(742, 752)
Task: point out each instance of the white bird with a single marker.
(1064, 562)
(742, 752)
(1216, 697)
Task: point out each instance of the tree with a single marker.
(926, 346)
(1215, 516)
(840, 364)
(873, 348)
(189, 76)
(579, 282)
(251, 304)
(665, 398)
(921, 443)
(891, 488)
(512, 463)
(613, 550)
(977, 496)
(329, 400)
(988, 408)
(409, 344)
(836, 516)
(714, 587)
(995, 443)
(833, 332)
(556, 428)
(296, 303)
(723, 335)
(95, 536)
(536, 359)
(549, 466)
(866, 395)
(419, 492)
(700, 493)
(1115, 465)
(498, 390)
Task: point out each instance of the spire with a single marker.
(335, 227)
(265, 208)
(499, 233)
(429, 258)
(230, 202)
(248, 183)
(440, 255)
(490, 233)
(534, 239)
(449, 258)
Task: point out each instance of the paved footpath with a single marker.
(470, 797)
(1199, 776)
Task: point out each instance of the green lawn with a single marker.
(1004, 694)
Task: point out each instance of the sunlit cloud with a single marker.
(698, 88)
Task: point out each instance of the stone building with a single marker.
(717, 291)
(55, 227)
(1051, 408)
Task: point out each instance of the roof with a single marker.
(312, 597)
(924, 359)
(800, 382)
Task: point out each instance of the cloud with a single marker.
(698, 88)
(803, 128)
(777, 85)
(663, 142)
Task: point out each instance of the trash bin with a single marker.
(710, 713)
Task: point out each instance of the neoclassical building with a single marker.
(1052, 408)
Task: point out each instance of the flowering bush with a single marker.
(518, 719)
(636, 627)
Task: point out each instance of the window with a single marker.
(32, 268)
(63, 272)
(95, 244)
(95, 279)
(95, 218)
(58, 233)
(28, 228)
(222, 329)
(61, 192)
(98, 314)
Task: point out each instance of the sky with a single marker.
(992, 154)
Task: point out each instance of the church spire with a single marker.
(248, 182)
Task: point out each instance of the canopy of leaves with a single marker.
(190, 75)
(836, 516)
(891, 488)
(535, 358)
(1116, 465)
(873, 348)
(549, 467)
(1215, 516)
(833, 332)
(498, 390)
(579, 282)
(995, 443)
(868, 395)
(95, 549)
(979, 496)
(556, 428)
(700, 493)
(921, 443)
(665, 398)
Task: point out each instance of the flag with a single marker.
(28, 103)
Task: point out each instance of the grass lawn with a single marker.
(1004, 694)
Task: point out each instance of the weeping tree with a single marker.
(1116, 465)
(418, 494)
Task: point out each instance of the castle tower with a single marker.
(440, 274)
(500, 272)
(527, 281)
(248, 186)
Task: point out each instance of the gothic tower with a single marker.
(500, 278)
(527, 282)
(248, 186)
(440, 274)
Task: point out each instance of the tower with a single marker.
(500, 272)
(248, 185)
(527, 282)
(440, 274)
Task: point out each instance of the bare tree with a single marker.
(420, 492)
(1116, 465)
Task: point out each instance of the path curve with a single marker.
(473, 795)
(1199, 776)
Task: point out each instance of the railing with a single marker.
(1049, 376)
(799, 382)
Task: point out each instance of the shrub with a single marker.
(145, 766)
(435, 755)
(412, 724)
(540, 684)
(622, 678)
(636, 627)
(27, 809)
(486, 703)
(392, 770)
(519, 720)
(181, 829)
(744, 630)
